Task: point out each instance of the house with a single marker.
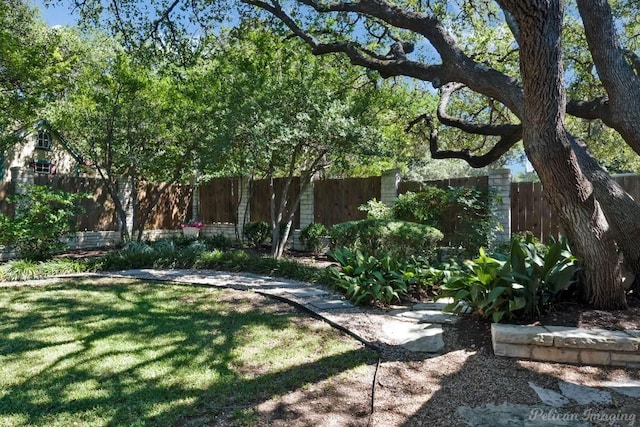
(42, 149)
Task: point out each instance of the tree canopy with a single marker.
(35, 65)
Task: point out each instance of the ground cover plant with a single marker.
(135, 353)
(202, 254)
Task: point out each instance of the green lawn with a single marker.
(117, 353)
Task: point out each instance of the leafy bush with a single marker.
(312, 237)
(368, 279)
(462, 213)
(217, 241)
(256, 232)
(376, 210)
(131, 256)
(525, 283)
(426, 207)
(42, 217)
(398, 239)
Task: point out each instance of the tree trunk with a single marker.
(621, 211)
(548, 148)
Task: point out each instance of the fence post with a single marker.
(306, 212)
(500, 186)
(306, 205)
(195, 205)
(21, 178)
(389, 186)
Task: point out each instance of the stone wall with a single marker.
(567, 345)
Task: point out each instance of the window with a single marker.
(44, 140)
(42, 166)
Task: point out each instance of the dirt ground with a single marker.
(407, 389)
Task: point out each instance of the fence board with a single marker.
(259, 204)
(536, 218)
(173, 208)
(337, 200)
(219, 199)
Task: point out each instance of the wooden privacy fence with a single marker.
(100, 214)
(260, 203)
(480, 182)
(99, 210)
(530, 210)
(173, 208)
(219, 200)
(337, 200)
(327, 201)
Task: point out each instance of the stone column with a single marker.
(500, 187)
(389, 186)
(306, 206)
(195, 205)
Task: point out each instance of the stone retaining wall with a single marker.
(567, 345)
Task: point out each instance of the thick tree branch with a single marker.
(597, 108)
(617, 75)
(509, 136)
(466, 126)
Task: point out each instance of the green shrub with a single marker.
(523, 284)
(376, 210)
(426, 207)
(132, 255)
(42, 217)
(20, 269)
(462, 213)
(256, 232)
(313, 237)
(398, 239)
(368, 279)
(217, 241)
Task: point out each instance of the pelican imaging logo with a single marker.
(595, 417)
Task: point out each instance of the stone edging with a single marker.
(567, 345)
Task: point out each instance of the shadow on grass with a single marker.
(149, 354)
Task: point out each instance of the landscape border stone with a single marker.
(567, 344)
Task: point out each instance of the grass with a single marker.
(135, 353)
